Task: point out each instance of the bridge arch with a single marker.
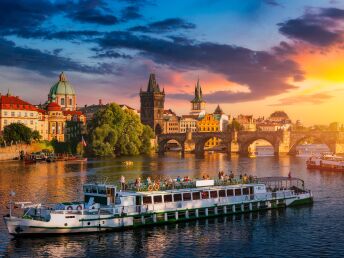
(200, 140)
(244, 145)
(296, 142)
(163, 139)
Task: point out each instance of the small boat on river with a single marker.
(326, 162)
(105, 207)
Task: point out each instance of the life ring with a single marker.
(70, 208)
(150, 188)
(79, 208)
(156, 187)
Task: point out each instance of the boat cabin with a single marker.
(99, 193)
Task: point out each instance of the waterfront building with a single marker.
(63, 93)
(247, 123)
(152, 105)
(171, 122)
(188, 123)
(15, 110)
(222, 118)
(278, 120)
(198, 104)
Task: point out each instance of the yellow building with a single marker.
(209, 123)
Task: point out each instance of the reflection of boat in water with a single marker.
(105, 208)
(326, 162)
(127, 163)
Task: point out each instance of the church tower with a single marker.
(198, 104)
(152, 105)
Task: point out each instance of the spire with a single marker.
(218, 110)
(152, 84)
(198, 92)
(62, 77)
(8, 93)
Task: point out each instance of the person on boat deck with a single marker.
(240, 176)
(148, 180)
(231, 175)
(122, 181)
(178, 179)
(203, 177)
(245, 179)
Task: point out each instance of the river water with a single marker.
(316, 230)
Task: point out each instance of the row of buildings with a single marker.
(198, 120)
(58, 118)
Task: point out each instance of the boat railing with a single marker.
(175, 185)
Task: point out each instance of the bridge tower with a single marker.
(152, 105)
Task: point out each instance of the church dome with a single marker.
(279, 114)
(62, 87)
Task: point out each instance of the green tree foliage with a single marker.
(36, 136)
(17, 133)
(114, 131)
(146, 137)
(235, 125)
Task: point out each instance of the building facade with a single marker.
(171, 122)
(15, 110)
(152, 106)
(247, 123)
(188, 123)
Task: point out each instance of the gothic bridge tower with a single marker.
(152, 105)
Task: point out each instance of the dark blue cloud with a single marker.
(109, 54)
(131, 13)
(167, 25)
(93, 16)
(43, 63)
(319, 26)
(264, 73)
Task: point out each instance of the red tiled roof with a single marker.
(72, 113)
(53, 106)
(15, 103)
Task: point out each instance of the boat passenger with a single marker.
(122, 181)
(148, 180)
(178, 179)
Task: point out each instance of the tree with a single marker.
(114, 131)
(236, 125)
(36, 136)
(17, 132)
(146, 137)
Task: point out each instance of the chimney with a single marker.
(100, 102)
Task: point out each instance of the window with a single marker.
(70, 102)
(19, 113)
(205, 195)
(12, 114)
(196, 196)
(31, 122)
(5, 122)
(25, 114)
(245, 191)
(177, 197)
(230, 192)
(222, 193)
(237, 192)
(157, 199)
(213, 194)
(5, 113)
(168, 198)
(62, 101)
(147, 199)
(31, 114)
(187, 196)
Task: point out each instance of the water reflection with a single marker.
(297, 231)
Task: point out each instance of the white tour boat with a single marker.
(106, 208)
(326, 162)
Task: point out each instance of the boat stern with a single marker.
(13, 225)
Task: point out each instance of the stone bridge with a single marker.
(282, 141)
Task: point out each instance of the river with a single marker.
(315, 230)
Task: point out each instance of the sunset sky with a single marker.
(252, 57)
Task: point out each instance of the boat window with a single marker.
(94, 189)
(230, 192)
(101, 190)
(205, 195)
(86, 189)
(245, 191)
(213, 194)
(147, 199)
(157, 199)
(196, 196)
(69, 217)
(222, 193)
(237, 192)
(168, 198)
(187, 196)
(251, 190)
(177, 197)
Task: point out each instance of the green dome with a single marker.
(62, 87)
